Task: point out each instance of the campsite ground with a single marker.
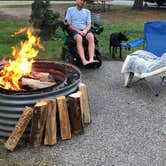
(128, 125)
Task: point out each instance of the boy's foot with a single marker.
(92, 64)
(92, 61)
(85, 62)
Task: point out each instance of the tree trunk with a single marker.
(138, 4)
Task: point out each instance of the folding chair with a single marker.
(154, 37)
(155, 41)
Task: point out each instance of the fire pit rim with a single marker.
(47, 90)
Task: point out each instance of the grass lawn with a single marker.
(119, 18)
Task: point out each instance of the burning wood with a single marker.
(42, 76)
(37, 80)
(36, 84)
(13, 71)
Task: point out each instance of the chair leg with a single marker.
(128, 79)
(120, 52)
(155, 92)
(163, 81)
(151, 88)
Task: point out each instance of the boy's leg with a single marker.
(91, 46)
(78, 39)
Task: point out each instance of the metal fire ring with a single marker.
(13, 102)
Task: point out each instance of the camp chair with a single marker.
(154, 37)
(155, 41)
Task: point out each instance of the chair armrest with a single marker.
(133, 43)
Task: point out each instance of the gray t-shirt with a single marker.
(78, 18)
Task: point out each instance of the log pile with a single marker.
(44, 117)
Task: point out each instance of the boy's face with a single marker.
(80, 3)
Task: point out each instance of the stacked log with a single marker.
(64, 118)
(38, 123)
(51, 128)
(85, 103)
(19, 129)
(75, 113)
(72, 117)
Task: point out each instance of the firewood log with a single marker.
(19, 128)
(75, 113)
(65, 130)
(51, 128)
(36, 84)
(85, 105)
(40, 75)
(38, 123)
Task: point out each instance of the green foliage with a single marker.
(7, 28)
(44, 18)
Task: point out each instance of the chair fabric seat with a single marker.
(144, 64)
(154, 38)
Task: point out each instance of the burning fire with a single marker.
(21, 64)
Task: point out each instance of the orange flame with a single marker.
(22, 63)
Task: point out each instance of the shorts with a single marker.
(73, 33)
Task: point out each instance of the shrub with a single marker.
(44, 18)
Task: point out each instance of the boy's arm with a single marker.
(88, 27)
(68, 22)
(88, 22)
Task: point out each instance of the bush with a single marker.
(44, 18)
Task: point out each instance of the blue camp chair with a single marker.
(155, 42)
(154, 38)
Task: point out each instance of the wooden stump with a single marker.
(20, 128)
(38, 123)
(51, 128)
(75, 113)
(65, 131)
(85, 103)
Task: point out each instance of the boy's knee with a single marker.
(78, 38)
(90, 37)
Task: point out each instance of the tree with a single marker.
(138, 4)
(44, 18)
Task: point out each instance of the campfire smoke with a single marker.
(21, 63)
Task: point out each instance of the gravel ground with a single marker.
(128, 127)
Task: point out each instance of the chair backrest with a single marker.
(155, 35)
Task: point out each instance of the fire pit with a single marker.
(24, 80)
(12, 102)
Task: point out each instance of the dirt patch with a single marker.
(19, 13)
(145, 14)
(23, 13)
